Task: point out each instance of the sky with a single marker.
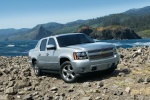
(28, 13)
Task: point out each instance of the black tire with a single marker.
(67, 73)
(112, 69)
(37, 70)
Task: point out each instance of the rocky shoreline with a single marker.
(130, 81)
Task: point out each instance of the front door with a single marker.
(52, 56)
(42, 54)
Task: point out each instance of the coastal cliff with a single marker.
(110, 32)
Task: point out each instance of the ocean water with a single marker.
(21, 48)
(16, 48)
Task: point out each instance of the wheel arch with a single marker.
(33, 60)
(63, 59)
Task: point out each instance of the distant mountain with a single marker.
(40, 32)
(57, 28)
(6, 33)
(52, 26)
(78, 22)
(12, 31)
(135, 20)
(36, 33)
(139, 11)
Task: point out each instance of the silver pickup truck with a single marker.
(72, 54)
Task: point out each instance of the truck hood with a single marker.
(92, 46)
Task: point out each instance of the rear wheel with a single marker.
(37, 70)
(67, 73)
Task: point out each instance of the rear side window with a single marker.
(51, 41)
(43, 45)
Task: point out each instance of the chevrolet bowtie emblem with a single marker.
(102, 52)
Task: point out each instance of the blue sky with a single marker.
(28, 13)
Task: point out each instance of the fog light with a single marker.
(82, 69)
(94, 68)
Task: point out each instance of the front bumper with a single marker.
(85, 66)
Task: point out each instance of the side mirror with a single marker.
(95, 40)
(50, 47)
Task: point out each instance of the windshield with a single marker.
(73, 39)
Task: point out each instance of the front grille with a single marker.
(101, 56)
(100, 50)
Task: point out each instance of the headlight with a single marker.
(115, 50)
(80, 55)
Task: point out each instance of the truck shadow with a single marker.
(91, 77)
(99, 76)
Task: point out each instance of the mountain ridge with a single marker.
(34, 34)
(139, 11)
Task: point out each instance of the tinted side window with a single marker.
(51, 41)
(43, 45)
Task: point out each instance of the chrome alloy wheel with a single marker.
(68, 73)
(36, 69)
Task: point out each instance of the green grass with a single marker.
(144, 34)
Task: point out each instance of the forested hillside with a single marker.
(137, 23)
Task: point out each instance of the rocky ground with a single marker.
(130, 81)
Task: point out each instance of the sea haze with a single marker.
(21, 48)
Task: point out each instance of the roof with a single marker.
(66, 34)
(61, 35)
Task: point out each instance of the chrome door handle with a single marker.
(39, 54)
(47, 54)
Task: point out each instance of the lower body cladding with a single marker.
(86, 66)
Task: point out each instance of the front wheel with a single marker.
(67, 73)
(112, 69)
